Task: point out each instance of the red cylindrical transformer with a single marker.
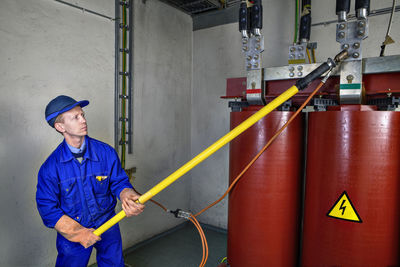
(264, 206)
(352, 195)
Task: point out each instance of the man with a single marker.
(77, 189)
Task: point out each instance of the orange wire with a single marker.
(262, 150)
(155, 202)
(203, 240)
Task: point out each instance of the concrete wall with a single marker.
(217, 56)
(49, 49)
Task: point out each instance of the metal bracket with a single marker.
(255, 87)
(350, 35)
(351, 82)
(297, 53)
(252, 48)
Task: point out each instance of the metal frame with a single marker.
(369, 66)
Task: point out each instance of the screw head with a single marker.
(292, 49)
(341, 35)
(291, 69)
(356, 55)
(300, 74)
(342, 26)
(346, 46)
(361, 33)
(300, 48)
(356, 45)
(349, 78)
(300, 68)
(361, 24)
(291, 74)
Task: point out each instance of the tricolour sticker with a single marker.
(343, 209)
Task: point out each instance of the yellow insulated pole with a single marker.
(203, 155)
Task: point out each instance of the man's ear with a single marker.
(59, 127)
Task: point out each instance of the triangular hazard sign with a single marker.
(343, 209)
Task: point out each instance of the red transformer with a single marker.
(264, 207)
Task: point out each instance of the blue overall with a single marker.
(87, 193)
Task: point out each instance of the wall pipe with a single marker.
(130, 82)
(85, 10)
(116, 77)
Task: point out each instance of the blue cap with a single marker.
(59, 105)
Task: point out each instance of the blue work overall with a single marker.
(87, 193)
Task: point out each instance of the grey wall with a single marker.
(49, 49)
(217, 56)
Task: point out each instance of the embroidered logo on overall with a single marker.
(101, 178)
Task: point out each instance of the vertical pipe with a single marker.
(124, 77)
(130, 85)
(116, 78)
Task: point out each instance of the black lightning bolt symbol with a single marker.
(343, 208)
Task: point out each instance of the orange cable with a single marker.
(203, 239)
(262, 150)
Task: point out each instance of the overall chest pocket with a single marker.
(101, 183)
(69, 192)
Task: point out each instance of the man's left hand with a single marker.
(128, 197)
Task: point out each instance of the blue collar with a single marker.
(78, 150)
(66, 154)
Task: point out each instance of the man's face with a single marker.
(74, 123)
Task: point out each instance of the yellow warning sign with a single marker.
(343, 209)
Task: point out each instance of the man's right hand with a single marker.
(74, 232)
(86, 237)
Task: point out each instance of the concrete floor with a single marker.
(179, 247)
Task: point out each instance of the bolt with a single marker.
(361, 24)
(299, 73)
(292, 49)
(346, 46)
(361, 33)
(349, 78)
(300, 67)
(291, 74)
(342, 26)
(356, 55)
(356, 45)
(341, 35)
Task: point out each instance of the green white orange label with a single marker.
(343, 209)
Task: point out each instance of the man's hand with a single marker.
(87, 238)
(74, 232)
(128, 197)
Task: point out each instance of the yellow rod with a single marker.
(203, 155)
